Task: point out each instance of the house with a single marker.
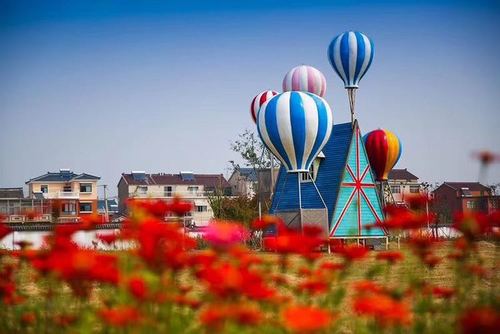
(403, 184)
(343, 183)
(71, 195)
(462, 197)
(191, 187)
(18, 209)
(112, 208)
(249, 181)
(243, 182)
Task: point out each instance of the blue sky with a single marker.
(112, 86)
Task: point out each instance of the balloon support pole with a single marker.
(300, 201)
(351, 93)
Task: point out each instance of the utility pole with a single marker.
(106, 209)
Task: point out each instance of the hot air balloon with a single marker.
(259, 100)
(305, 78)
(295, 126)
(384, 150)
(350, 55)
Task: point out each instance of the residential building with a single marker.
(403, 184)
(191, 187)
(18, 209)
(71, 195)
(461, 197)
(250, 181)
(243, 182)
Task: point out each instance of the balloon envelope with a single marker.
(384, 150)
(259, 100)
(350, 55)
(295, 126)
(305, 78)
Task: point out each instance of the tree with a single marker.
(252, 150)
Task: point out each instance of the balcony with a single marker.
(170, 194)
(62, 195)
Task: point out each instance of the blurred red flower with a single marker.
(4, 230)
(351, 252)
(390, 256)
(306, 319)
(138, 288)
(384, 309)
(120, 316)
(484, 320)
(107, 238)
(472, 224)
(224, 235)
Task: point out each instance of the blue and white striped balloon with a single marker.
(350, 55)
(295, 126)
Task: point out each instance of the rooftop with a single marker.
(64, 175)
(401, 174)
(187, 178)
(11, 193)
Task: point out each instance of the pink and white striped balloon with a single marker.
(306, 79)
(259, 100)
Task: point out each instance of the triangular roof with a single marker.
(331, 173)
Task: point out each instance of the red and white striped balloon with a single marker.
(259, 100)
(305, 78)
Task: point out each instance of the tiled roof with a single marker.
(208, 180)
(62, 176)
(472, 186)
(112, 205)
(401, 174)
(11, 193)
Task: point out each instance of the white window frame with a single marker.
(86, 184)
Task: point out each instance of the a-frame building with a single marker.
(345, 181)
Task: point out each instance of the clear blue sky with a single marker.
(106, 87)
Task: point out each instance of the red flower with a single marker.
(367, 286)
(267, 221)
(486, 157)
(108, 238)
(28, 318)
(390, 256)
(351, 252)
(314, 286)
(303, 319)
(443, 292)
(138, 288)
(289, 241)
(472, 225)
(224, 235)
(484, 320)
(179, 207)
(399, 218)
(384, 309)
(120, 316)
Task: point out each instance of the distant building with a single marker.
(246, 181)
(243, 182)
(112, 206)
(191, 187)
(461, 197)
(403, 184)
(71, 195)
(18, 209)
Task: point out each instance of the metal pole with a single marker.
(106, 210)
(272, 175)
(300, 200)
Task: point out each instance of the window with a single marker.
(313, 171)
(142, 190)
(167, 191)
(414, 189)
(69, 208)
(85, 207)
(396, 189)
(201, 208)
(193, 189)
(44, 188)
(85, 187)
(67, 188)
